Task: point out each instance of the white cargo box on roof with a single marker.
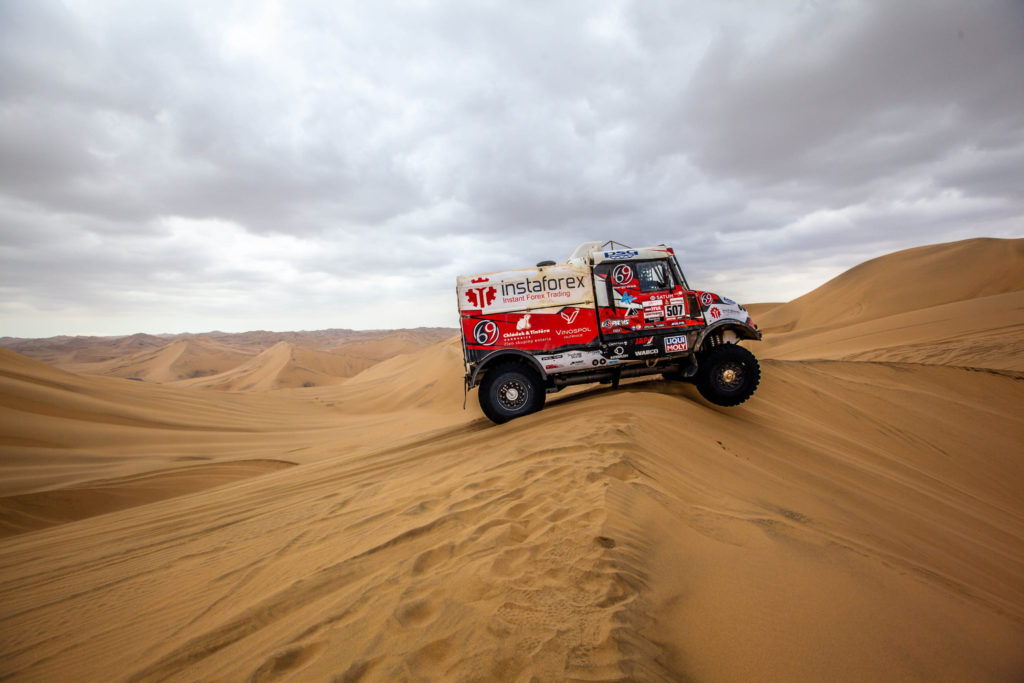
(526, 289)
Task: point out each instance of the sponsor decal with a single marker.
(542, 284)
(728, 301)
(653, 304)
(715, 312)
(632, 307)
(614, 322)
(619, 351)
(707, 299)
(621, 255)
(675, 310)
(570, 316)
(481, 297)
(478, 280)
(560, 362)
(622, 274)
(646, 352)
(524, 323)
(486, 333)
(525, 335)
(675, 344)
(644, 341)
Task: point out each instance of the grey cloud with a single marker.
(844, 99)
(330, 144)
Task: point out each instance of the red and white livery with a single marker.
(609, 312)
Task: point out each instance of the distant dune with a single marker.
(177, 360)
(852, 521)
(285, 365)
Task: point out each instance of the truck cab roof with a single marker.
(593, 253)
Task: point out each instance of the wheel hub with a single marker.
(729, 376)
(513, 394)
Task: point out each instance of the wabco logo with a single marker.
(486, 332)
(481, 297)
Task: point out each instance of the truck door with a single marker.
(639, 296)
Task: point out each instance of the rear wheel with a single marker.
(511, 390)
(727, 375)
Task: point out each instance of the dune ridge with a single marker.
(178, 360)
(284, 365)
(960, 303)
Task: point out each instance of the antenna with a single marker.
(613, 243)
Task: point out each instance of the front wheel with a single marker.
(727, 375)
(509, 391)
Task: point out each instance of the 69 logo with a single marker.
(486, 332)
(622, 274)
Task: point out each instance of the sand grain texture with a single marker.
(856, 520)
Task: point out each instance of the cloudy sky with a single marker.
(191, 166)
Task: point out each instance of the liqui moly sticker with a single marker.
(675, 344)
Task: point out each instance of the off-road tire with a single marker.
(727, 375)
(511, 390)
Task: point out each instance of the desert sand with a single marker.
(860, 518)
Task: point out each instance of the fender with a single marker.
(742, 330)
(499, 355)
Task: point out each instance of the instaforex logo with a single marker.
(541, 285)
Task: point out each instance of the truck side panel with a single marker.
(537, 331)
(536, 310)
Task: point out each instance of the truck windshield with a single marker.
(654, 276)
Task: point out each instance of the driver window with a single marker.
(654, 276)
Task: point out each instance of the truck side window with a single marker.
(654, 276)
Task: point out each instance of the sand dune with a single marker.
(910, 280)
(429, 379)
(284, 365)
(58, 350)
(399, 343)
(177, 360)
(639, 533)
(853, 521)
(27, 511)
(958, 304)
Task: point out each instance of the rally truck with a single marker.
(608, 313)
